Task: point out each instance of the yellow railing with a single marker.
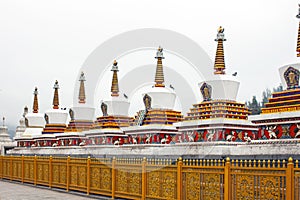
(159, 178)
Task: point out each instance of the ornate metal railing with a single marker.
(159, 178)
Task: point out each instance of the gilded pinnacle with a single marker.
(159, 75)
(35, 101)
(115, 81)
(219, 66)
(81, 95)
(55, 97)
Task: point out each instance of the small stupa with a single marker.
(55, 118)
(219, 116)
(20, 129)
(34, 121)
(81, 114)
(108, 127)
(154, 123)
(4, 136)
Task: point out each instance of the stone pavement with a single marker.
(19, 191)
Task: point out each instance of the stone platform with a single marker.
(263, 149)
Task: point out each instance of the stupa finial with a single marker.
(159, 74)
(35, 101)
(298, 40)
(55, 98)
(219, 60)
(115, 81)
(81, 95)
(3, 121)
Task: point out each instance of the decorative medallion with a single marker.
(206, 91)
(291, 76)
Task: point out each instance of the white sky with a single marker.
(41, 41)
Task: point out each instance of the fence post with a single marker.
(68, 174)
(50, 171)
(290, 179)
(144, 176)
(22, 169)
(11, 167)
(88, 174)
(113, 178)
(179, 178)
(35, 170)
(227, 182)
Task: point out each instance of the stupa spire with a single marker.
(159, 74)
(219, 60)
(298, 40)
(81, 95)
(55, 98)
(35, 101)
(115, 82)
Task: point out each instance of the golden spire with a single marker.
(81, 96)
(35, 101)
(55, 98)
(298, 40)
(159, 74)
(115, 82)
(219, 60)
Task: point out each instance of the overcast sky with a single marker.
(41, 41)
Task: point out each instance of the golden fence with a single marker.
(159, 178)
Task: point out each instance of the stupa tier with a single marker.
(218, 109)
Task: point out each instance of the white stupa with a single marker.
(34, 121)
(56, 118)
(218, 113)
(161, 97)
(81, 114)
(22, 126)
(222, 86)
(155, 121)
(4, 136)
(115, 109)
(117, 105)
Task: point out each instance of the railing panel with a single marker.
(258, 182)
(161, 182)
(202, 183)
(29, 169)
(42, 171)
(128, 180)
(59, 172)
(101, 179)
(17, 168)
(78, 174)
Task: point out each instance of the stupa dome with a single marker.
(223, 87)
(162, 98)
